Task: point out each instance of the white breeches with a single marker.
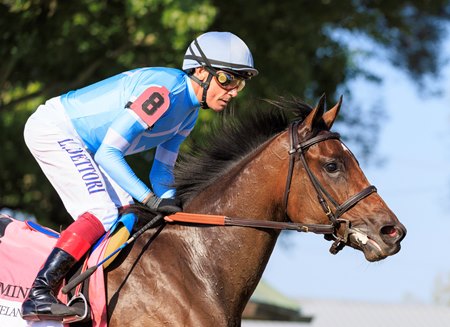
(82, 185)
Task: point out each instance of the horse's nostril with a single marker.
(393, 234)
(390, 231)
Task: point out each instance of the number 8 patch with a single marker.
(151, 104)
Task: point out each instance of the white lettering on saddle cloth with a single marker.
(83, 163)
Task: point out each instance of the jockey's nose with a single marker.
(233, 92)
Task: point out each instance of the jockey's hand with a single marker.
(166, 206)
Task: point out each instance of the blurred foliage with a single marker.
(49, 47)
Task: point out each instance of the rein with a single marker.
(297, 147)
(206, 219)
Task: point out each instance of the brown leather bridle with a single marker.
(297, 147)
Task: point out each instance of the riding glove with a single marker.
(165, 206)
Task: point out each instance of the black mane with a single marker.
(234, 136)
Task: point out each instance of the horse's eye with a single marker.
(331, 167)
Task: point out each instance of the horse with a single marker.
(265, 168)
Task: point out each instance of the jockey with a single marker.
(80, 140)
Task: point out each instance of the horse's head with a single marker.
(241, 172)
(338, 192)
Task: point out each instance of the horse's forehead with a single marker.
(344, 147)
(346, 151)
(341, 149)
(335, 146)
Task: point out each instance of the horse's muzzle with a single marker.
(377, 247)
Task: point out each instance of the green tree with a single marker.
(301, 48)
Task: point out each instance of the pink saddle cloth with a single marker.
(23, 251)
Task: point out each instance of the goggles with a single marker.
(228, 81)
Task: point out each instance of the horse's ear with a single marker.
(322, 105)
(330, 116)
(314, 117)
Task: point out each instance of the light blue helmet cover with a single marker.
(222, 50)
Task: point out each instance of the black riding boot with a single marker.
(42, 302)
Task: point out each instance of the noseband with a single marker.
(300, 148)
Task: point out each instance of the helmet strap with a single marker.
(205, 87)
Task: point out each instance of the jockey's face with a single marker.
(217, 97)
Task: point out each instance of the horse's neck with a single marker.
(252, 189)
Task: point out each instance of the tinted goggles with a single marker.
(228, 81)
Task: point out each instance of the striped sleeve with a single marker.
(161, 174)
(110, 155)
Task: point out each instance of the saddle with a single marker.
(26, 245)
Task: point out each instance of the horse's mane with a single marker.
(233, 136)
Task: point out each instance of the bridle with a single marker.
(300, 148)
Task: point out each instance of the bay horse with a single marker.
(263, 168)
